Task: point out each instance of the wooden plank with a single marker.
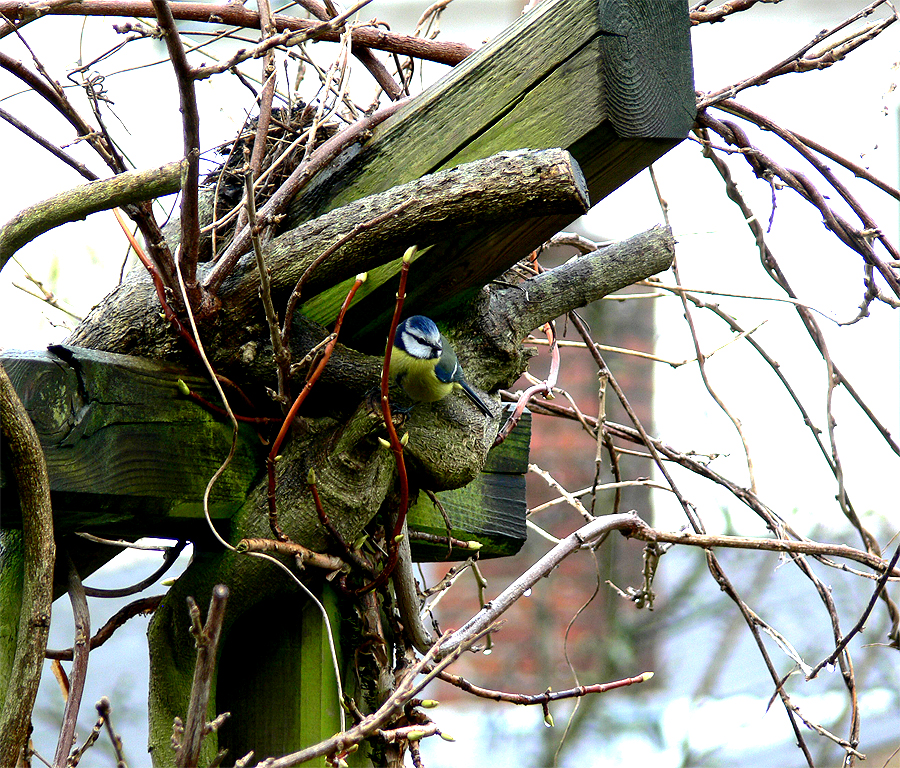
(126, 452)
(577, 63)
(123, 443)
(610, 81)
(287, 698)
(491, 509)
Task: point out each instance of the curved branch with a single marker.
(587, 536)
(143, 605)
(506, 186)
(77, 203)
(237, 15)
(23, 451)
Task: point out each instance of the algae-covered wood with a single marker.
(490, 510)
(288, 697)
(127, 452)
(124, 447)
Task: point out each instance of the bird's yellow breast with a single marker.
(417, 377)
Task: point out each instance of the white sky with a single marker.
(849, 108)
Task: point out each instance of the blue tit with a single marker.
(425, 365)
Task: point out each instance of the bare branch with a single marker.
(207, 637)
(23, 451)
(237, 15)
(801, 62)
(49, 146)
(301, 176)
(77, 203)
(587, 536)
(79, 666)
(190, 207)
(144, 605)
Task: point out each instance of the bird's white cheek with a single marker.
(417, 349)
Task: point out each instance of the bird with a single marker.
(425, 365)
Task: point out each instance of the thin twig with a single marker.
(301, 176)
(190, 203)
(282, 356)
(800, 62)
(294, 298)
(170, 557)
(889, 572)
(395, 442)
(78, 675)
(138, 607)
(49, 145)
(540, 698)
(207, 639)
(104, 708)
(545, 387)
(882, 567)
(272, 458)
(586, 536)
(236, 14)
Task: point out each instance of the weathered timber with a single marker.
(430, 210)
(288, 641)
(125, 450)
(128, 454)
(489, 510)
(611, 81)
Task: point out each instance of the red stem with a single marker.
(313, 378)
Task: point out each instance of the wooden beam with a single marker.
(609, 80)
(125, 449)
(490, 510)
